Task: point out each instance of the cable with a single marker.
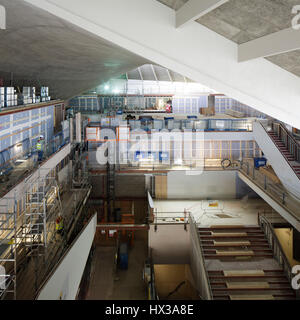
(223, 163)
(176, 289)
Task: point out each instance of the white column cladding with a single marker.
(71, 122)
(78, 127)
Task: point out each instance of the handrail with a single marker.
(206, 284)
(277, 249)
(286, 199)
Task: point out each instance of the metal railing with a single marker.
(275, 190)
(287, 138)
(177, 217)
(276, 247)
(198, 263)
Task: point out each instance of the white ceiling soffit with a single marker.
(270, 45)
(194, 9)
(147, 28)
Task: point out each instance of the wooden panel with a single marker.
(252, 297)
(269, 172)
(238, 273)
(161, 187)
(250, 285)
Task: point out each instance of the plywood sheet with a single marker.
(227, 226)
(240, 273)
(229, 234)
(247, 285)
(232, 243)
(161, 187)
(251, 297)
(232, 253)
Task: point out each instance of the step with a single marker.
(275, 278)
(238, 257)
(239, 273)
(234, 231)
(238, 253)
(247, 285)
(231, 243)
(229, 234)
(228, 227)
(256, 237)
(235, 249)
(266, 271)
(252, 297)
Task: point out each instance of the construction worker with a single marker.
(39, 148)
(59, 225)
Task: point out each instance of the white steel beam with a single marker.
(194, 9)
(169, 74)
(140, 73)
(279, 42)
(154, 73)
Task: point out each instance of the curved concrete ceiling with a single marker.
(38, 48)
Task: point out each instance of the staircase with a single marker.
(241, 266)
(284, 150)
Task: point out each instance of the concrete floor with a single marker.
(227, 212)
(125, 284)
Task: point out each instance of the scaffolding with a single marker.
(110, 185)
(30, 245)
(8, 248)
(42, 207)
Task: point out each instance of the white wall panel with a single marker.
(64, 282)
(209, 184)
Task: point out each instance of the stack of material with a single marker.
(234, 113)
(44, 93)
(29, 95)
(8, 98)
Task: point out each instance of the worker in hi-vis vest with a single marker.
(59, 224)
(39, 148)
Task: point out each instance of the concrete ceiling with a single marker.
(242, 21)
(49, 51)
(174, 4)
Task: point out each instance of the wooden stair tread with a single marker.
(227, 226)
(231, 253)
(238, 273)
(232, 243)
(229, 234)
(243, 285)
(252, 297)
